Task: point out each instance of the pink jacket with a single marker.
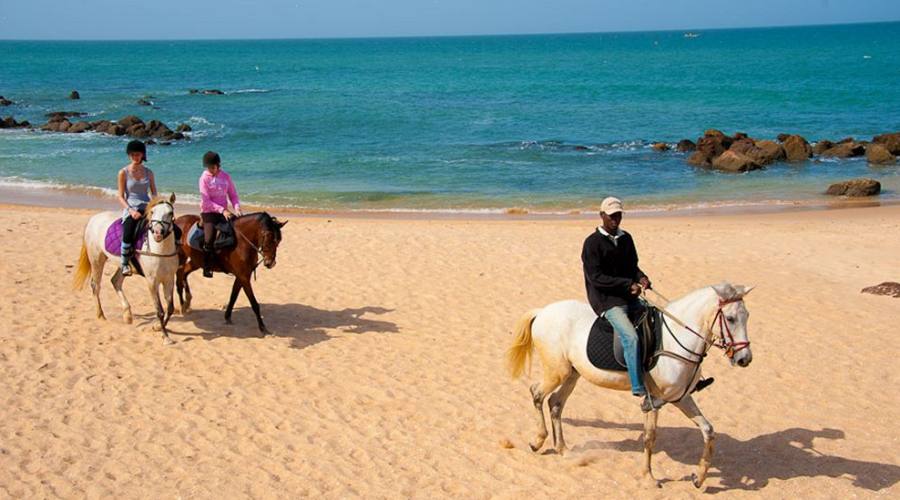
(215, 191)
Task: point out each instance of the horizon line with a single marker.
(470, 35)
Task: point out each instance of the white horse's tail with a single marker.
(519, 353)
(83, 270)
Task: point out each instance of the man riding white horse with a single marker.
(614, 283)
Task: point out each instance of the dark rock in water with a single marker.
(731, 161)
(184, 127)
(782, 137)
(822, 146)
(101, 126)
(576, 148)
(889, 288)
(206, 91)
(685, 145)
(115, 129)
(660, 146)
(890, 141)
(723, 139)
(740, 135)
(56, 116)
(74, 95)
(878, 154)
(138, 130)
(149, 142)
(796, 148)
(63, 126)
(79, 127)
(10, 122)
(845, 140)
(855, 188)
(4, 101)
(708, 147)
(145, 102)
(770, 152)
(129, 121)
(845, 150)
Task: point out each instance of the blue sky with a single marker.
(189, 19)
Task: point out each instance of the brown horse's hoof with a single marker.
(228, 321)
(264, 332)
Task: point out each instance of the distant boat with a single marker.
(691, 34)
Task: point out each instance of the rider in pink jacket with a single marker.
(216, 190)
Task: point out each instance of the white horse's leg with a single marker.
(169, 293)
(97, 263)
(650, 420)
(557, 403)
(538, 392)
(691, 411)
(153, 287)
(117, 280)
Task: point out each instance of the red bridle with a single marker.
(729, 346)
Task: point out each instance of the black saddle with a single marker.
(225, 236)
(604, 348)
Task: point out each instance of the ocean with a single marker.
(545, 123)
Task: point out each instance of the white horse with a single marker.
(159, 259)
(559, 334)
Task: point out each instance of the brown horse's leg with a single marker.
(248, 290)
(691, 411)
(235, 289)
(179, 286)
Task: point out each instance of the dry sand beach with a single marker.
(385, 377)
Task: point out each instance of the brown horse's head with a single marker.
(269, 238)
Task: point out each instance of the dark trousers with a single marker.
(210, 219)
(129, 226)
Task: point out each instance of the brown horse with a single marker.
(256, 234)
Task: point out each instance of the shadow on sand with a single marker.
(751, 464)
(304, 325)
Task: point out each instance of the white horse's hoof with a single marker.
(168, 341)
(127, 318)
(156, 328)
(185, 310)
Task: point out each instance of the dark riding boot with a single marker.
(208, 256)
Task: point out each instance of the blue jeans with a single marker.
(621, 323)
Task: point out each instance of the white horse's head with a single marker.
(731, 320)
(161, 216)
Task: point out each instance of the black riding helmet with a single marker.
(137, 147)
(211, 158)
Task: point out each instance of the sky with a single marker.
(229, 19)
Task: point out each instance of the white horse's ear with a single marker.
(725, 291)
(172, 198)
(744, 290)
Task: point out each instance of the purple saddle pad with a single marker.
(114, 238)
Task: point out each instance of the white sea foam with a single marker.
(250, 91)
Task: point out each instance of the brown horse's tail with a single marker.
(83, 269)
(519, 353)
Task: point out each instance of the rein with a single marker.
(253, 246)
(730, 347)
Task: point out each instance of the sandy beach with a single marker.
(384, 375)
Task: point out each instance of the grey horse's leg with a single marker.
(538, 392)
(650, 421)
(557, 403)
(160, 313)
(117, 280)
(691, 411)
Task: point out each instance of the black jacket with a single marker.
(609, 270)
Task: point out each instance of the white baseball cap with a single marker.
(611, 205)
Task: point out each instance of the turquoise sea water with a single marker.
(468, 123)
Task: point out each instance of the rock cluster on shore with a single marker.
(740, 153)
(130, 125)
(5, 102)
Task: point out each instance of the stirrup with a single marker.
(703, 384)
(649, 404)
(126, 270)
